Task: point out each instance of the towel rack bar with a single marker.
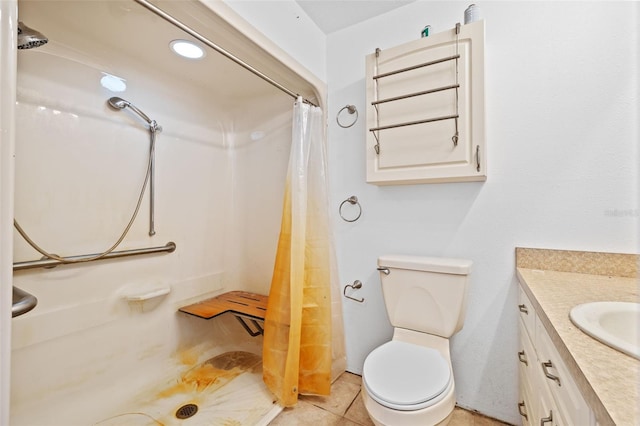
(411, 95)
(411, 68)
(411, 123)
(50, 263)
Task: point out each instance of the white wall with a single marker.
(260, 152)
(562, 120)
(288, 25)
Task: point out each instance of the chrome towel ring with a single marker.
(353, 200)
(351, 109)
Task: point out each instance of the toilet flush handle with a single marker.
(384, 270)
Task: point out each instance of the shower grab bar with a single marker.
(413, 67)
(170, 247)
(164, 15)
(412, 123)
(411, 95)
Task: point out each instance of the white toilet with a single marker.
(409, 381)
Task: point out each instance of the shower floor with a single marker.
(226, 390)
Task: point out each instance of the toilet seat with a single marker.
(406, 377)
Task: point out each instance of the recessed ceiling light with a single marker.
(257, 135)
(113, 83)
(187, 49)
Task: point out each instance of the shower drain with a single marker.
(186, 411)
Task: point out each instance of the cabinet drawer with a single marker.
(527, 401)
(527, 358)
(568, 398)
(527, 314)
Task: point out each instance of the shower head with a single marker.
(29, 38)
(119, 103)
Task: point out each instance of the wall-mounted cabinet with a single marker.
(425, 109)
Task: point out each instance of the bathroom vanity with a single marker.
(567, 377)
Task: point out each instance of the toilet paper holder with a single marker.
(357, 284)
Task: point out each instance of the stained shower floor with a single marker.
(226, 390)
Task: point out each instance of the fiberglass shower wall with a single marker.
(220, 166)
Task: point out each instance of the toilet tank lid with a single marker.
(441, 265)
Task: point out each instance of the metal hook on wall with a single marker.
(351, 109)
(357, 284)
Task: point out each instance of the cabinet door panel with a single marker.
(567, 395)
(426, 109)
(527, 403)
(527, 315)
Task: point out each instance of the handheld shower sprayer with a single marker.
(119, 103)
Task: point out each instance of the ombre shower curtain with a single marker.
(303, 332)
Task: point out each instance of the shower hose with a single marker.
(122, 236)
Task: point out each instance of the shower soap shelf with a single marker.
(145, 300)
(151, 294)
(242, 304)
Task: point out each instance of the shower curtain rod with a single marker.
(161, 13)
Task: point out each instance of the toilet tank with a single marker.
(425, 294)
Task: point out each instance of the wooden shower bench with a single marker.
(242, 304)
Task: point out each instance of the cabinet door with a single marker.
(426, 111)
(549, 414)
(567, 396)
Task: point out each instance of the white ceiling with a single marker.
(334, 15)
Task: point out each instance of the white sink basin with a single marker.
(613, 323)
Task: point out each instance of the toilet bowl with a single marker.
(409, 380)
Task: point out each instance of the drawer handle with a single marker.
(547, 419)
(521, 405)
(546, 365)
(523, 308)
(522, 357)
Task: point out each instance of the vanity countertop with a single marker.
(609, 380)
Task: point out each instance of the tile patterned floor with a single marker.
(345, 408)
